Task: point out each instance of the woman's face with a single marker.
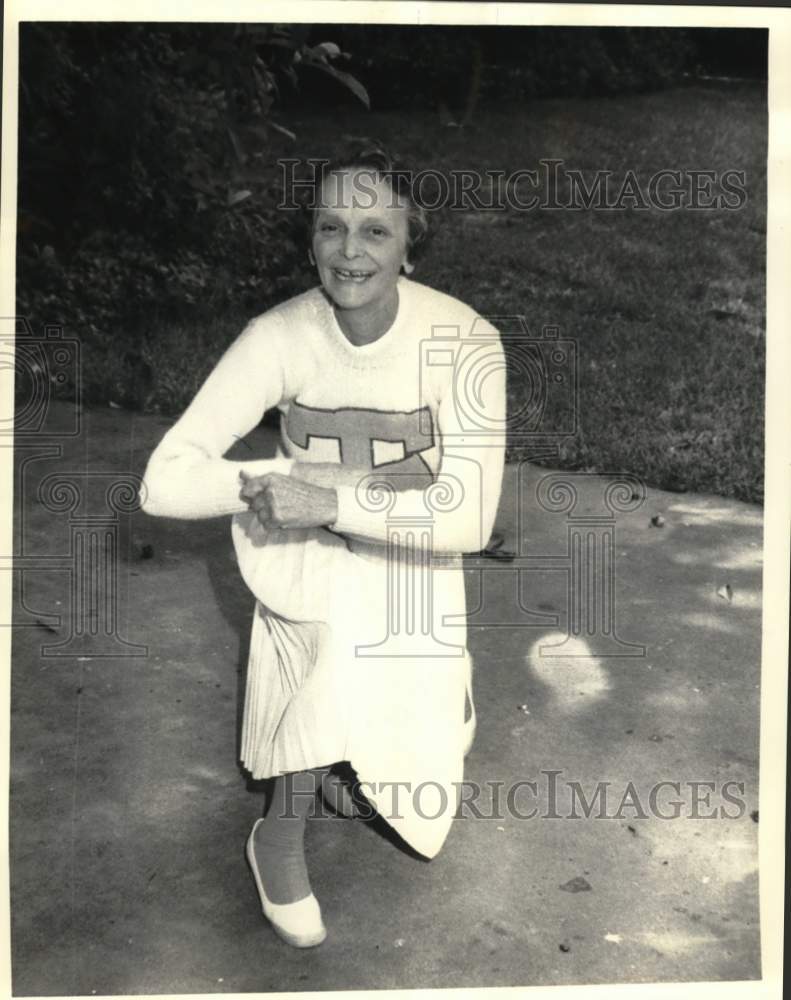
(359, 238)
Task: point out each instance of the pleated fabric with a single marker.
(392, 705)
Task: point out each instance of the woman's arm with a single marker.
(307, 497)
(462, 503)
(187, 476)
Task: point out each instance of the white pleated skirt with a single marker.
(373, 686)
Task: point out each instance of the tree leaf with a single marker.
(330, 49)
(237, 196)
(350, 82)
(237, 145)
(284, 131)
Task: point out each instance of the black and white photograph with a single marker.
(396, 497)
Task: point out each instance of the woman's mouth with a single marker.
(355, 276)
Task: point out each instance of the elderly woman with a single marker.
(392, 400)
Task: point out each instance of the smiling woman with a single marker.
(359, 252)
(364, 230)
(389, 467)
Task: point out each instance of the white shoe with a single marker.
(298, 924)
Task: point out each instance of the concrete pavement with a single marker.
(129, 812)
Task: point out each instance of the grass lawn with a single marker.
(667, 308)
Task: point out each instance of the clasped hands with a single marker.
(289, 502)
(304, 499)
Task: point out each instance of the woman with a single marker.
(392, 400)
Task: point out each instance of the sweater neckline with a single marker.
(383, 345)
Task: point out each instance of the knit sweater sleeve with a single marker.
(187, 476)
(461, 504)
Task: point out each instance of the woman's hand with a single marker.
(286, 502)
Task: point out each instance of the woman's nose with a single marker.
(350, 246)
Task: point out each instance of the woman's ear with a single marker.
(408, 268)
(311, 258)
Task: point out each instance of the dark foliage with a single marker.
(147, 183)
(148, 190)
(410, 66)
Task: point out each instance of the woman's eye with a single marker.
(378, 231)
(327, 227)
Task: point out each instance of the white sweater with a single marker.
(425, 401)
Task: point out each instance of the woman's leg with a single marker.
(279, 841)
(343, 793)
